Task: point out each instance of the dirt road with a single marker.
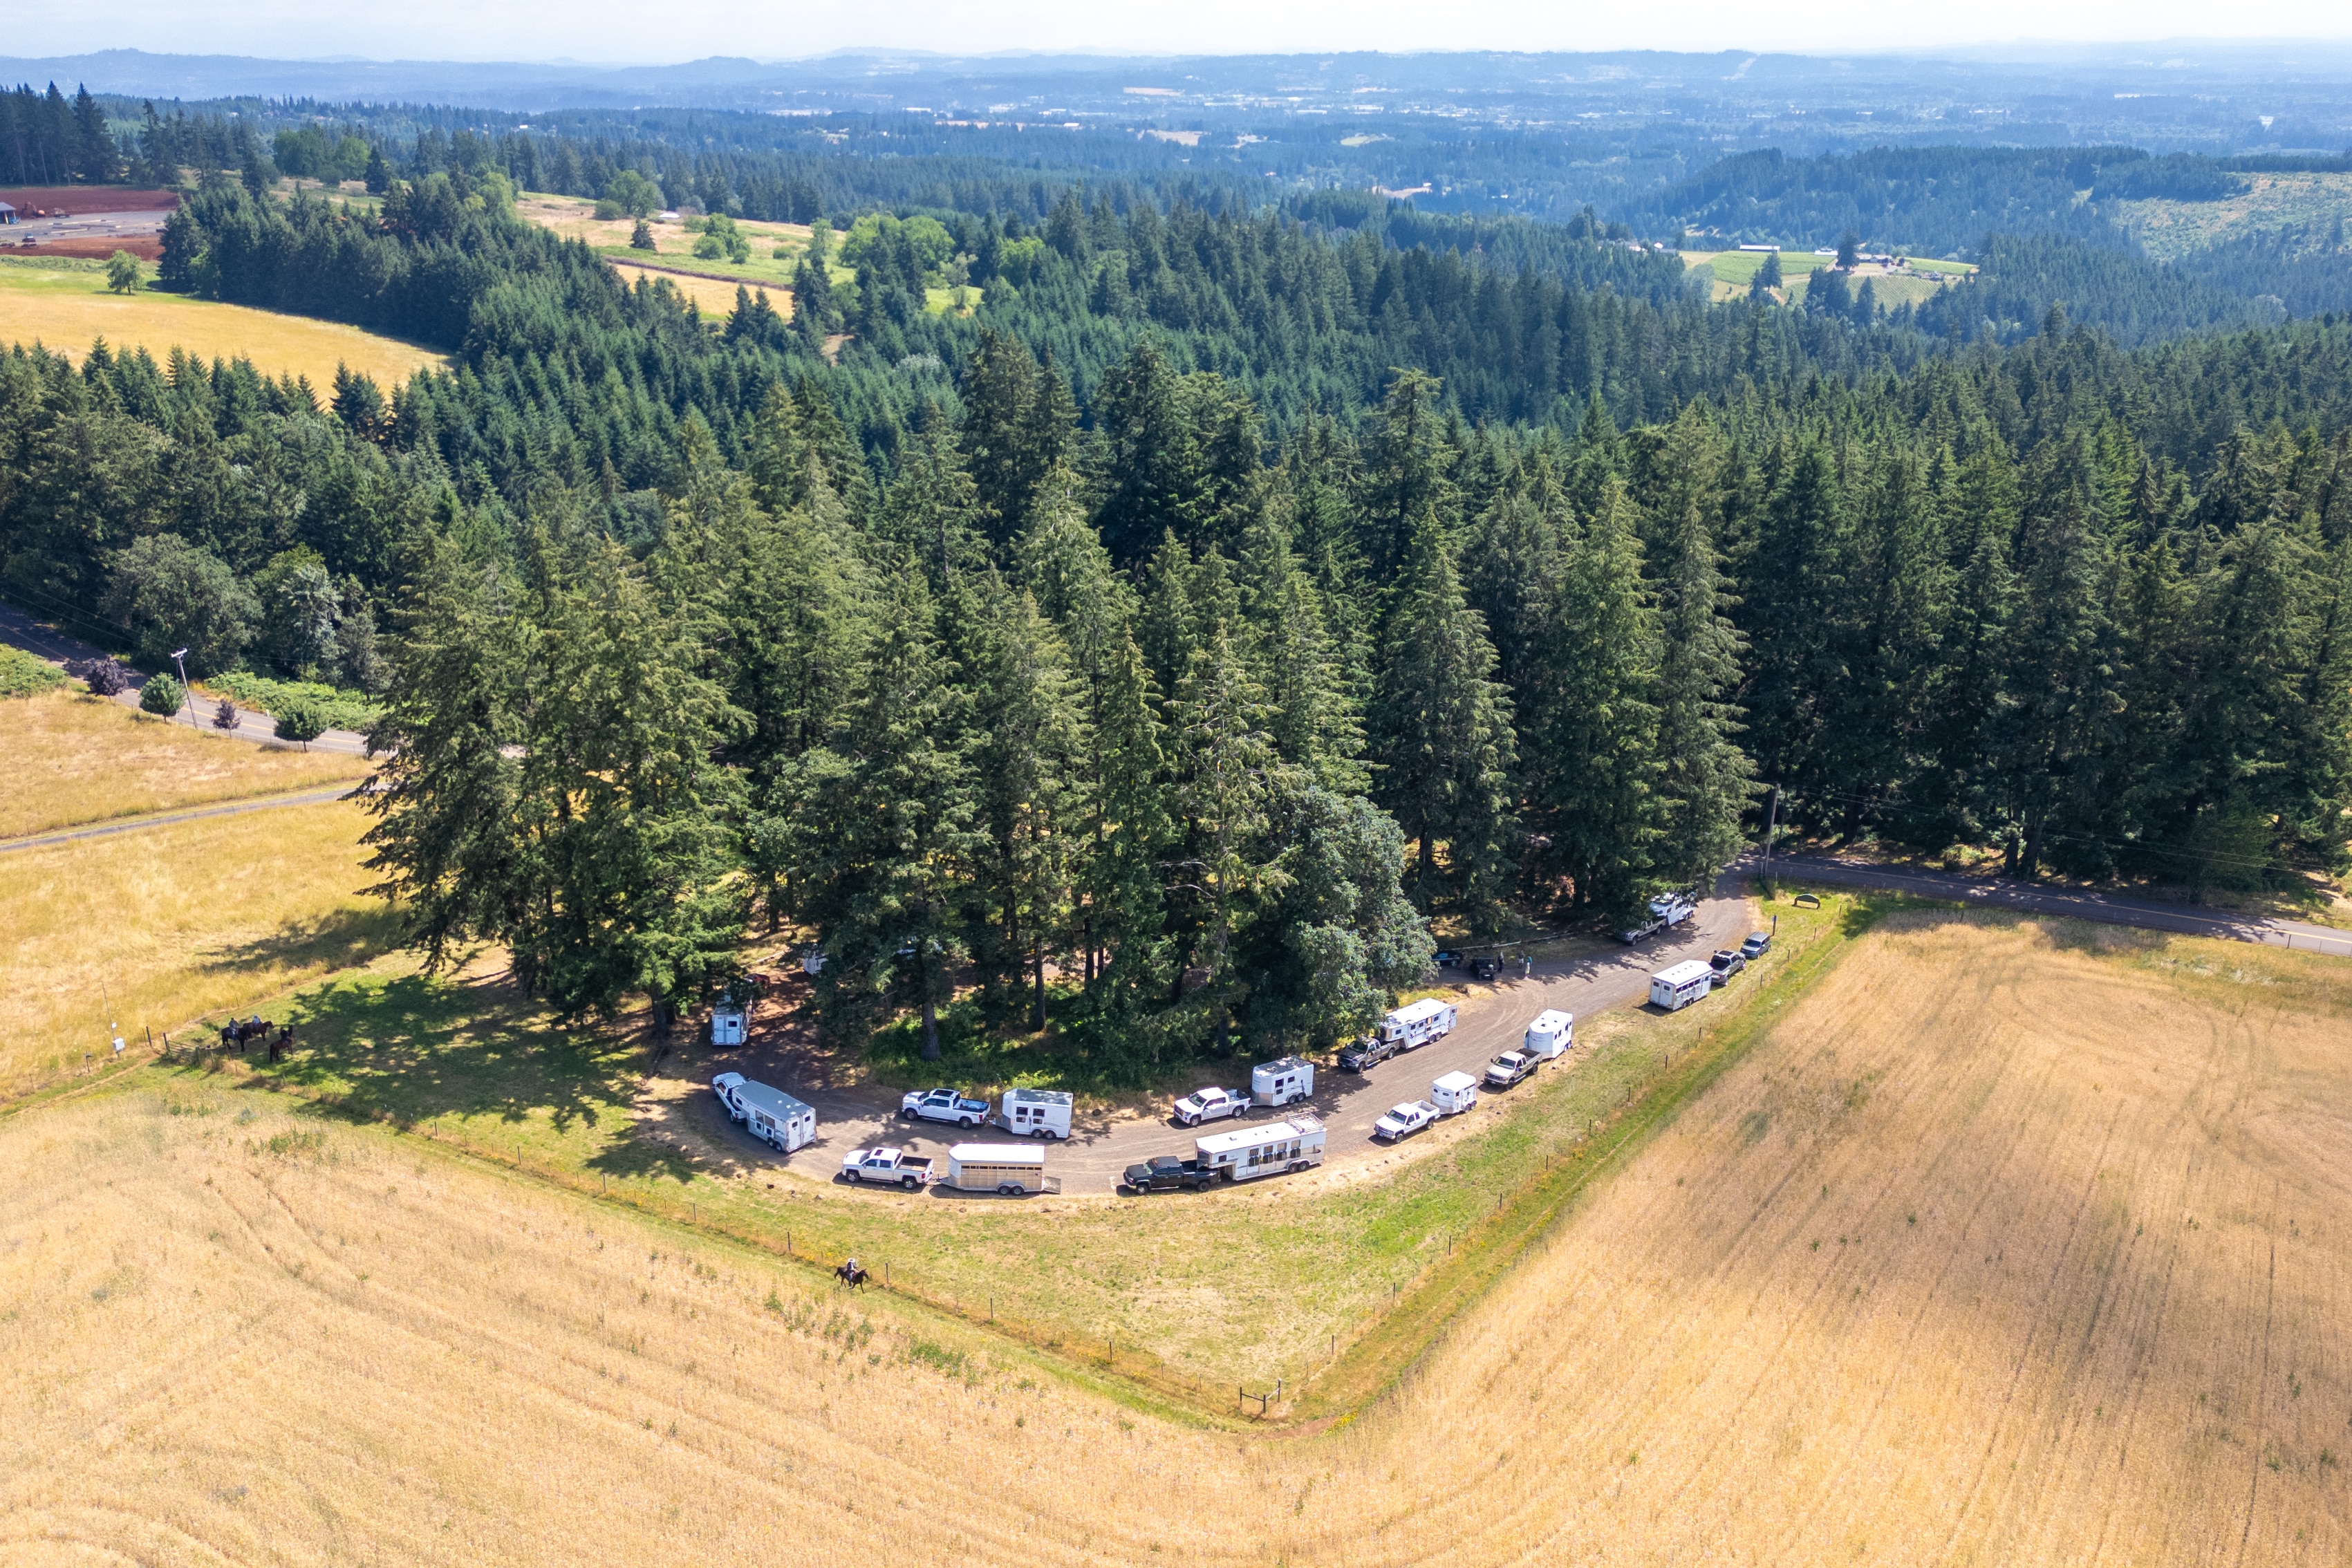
(1492, 1018)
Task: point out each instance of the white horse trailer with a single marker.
(1454, 1093)
(1678, 986)
(1424, 1021)
(1035, 1112)
(1278, 1083)
(731, 1020)
(1550, 1035)
(1016, 1170)
(1248, 1153)
(775, 1118)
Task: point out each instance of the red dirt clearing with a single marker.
(81, 199)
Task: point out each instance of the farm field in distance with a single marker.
(2005, 1242)
(2170, 229)
(66, 306)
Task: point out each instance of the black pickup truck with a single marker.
(1164, 1172)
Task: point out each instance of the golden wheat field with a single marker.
(73, 758)
(2004, 1246)
(68, 311)
(153, 928)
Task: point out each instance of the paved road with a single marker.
(2108, 909)
(1491, 1018)
(160, 818)
(45, 640)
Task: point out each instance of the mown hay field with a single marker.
(75, 759)
(67, 310)
(153, 928)
(2007, 1245)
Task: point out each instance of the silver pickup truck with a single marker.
(885, 1165)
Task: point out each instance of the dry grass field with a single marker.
(716, 296)
(157, 927)
(67, 310)
(2004, 1245)
(73, 758)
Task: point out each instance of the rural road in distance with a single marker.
(2106, 909)
(1491, 1019)
(44, 640)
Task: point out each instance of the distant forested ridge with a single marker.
(1229, 596)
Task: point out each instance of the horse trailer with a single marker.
(1248, 1153)
(1551, 1035)
(775, 1118)
(730, 1021)
(1678, 986)
(1277, 1083)
(1016, 1170)
(1035, 1112)
(1418, 1024)
(1454, 1094)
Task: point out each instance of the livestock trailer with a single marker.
(1678, 986)
(1278, 1083)
(1015, 1170)
(775, 1118)
(1550, 1035)
(1035, 1112)
(731, 1020)
(1418, 1024)
(1453, 1093)
(1247, 1153)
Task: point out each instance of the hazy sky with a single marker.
(630, 30)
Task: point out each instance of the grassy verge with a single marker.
(1185, 1298)
(22, 675)
(343, 709)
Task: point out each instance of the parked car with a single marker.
(1758, 944)
(1726, 964)
(1367, 1053)
(1404, 1120)
(944, 1105)
(1208, 1105)
(885, 1165)
(1484, 968)
(1448, 959)
(1508, 1068)
(1165, 1173)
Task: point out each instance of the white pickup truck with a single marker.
(943, 1105)
(1208, 1105)
(885, 1165)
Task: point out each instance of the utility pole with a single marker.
(187, 698)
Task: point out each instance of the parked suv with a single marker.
(1726, 964)
(1758, 944)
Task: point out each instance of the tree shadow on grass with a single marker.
(342, 938)
(413, 1048)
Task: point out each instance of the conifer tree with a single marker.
(620, 809)
(890, 872)
(1703, 780)
(1028, 744)
(1444, 736)
(447, 786)
(1591, 753)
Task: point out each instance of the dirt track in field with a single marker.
(2006, 1246)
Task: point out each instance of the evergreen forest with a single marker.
(1231, 601)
